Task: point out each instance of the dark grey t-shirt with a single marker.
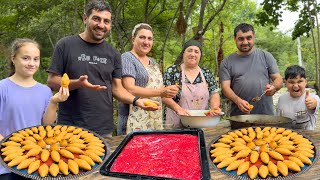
(101, 62)
(249, 76)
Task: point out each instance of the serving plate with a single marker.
(35, 175)
(245, 176)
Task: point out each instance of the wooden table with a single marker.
(211, 134)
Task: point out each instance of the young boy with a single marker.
(298, 104)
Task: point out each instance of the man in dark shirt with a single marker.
(94, 68)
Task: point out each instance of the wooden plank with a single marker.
(210, 135)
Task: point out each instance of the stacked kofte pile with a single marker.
(262, 152)
(50, 150)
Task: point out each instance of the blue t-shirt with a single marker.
(21, 107)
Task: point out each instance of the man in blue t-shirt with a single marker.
(248, 73)
(94, 68)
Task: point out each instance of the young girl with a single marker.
(23, 101)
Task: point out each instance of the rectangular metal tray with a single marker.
(106, 167)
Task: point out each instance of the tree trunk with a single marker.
(318, 33)
(187, 18)
(161, 65)
(206, 26)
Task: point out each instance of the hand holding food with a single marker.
(213, 112)
(150, 103)
(250, 106)
(169, 91)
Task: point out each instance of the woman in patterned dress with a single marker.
(198, 91)
(141, 76)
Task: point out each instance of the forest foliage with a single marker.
(47, 21)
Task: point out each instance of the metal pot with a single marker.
(240, 121)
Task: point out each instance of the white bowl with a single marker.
(198, 119)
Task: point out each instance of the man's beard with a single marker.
(99, 38)
(247, 49)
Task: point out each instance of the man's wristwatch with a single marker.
(135, 100)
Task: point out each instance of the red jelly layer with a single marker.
(164, 155)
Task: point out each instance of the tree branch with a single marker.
(213, 16)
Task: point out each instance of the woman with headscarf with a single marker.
(141, 76)
(198, 91)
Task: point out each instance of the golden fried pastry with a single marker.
(292, 165)
(67, 154)
(65, 81)
(296, 160)
(13, 151)
(93, 156)
(63, 167)
(263, 171)
(55, 156)
(17, 160)
(9, 148)
(220, 145)
(99, 153)
(83, 164)
(34, 152)
(16, 139)
(273, 169)
(10, 157)
(35, 130)
(43, 170)
(244, 131)
(303, 158)
(275, 155)
(225, 140)
(75, 150)
(234, 165)
(88, 159)
(264, 148)
(253, 172)
(264, 157)
(282, 168)
(54, 169)
(239, 148)
(73, 166)
(254, 157)
(246, 138)
(243, 167)
(44, 155)
(289, 147)
(11, 143)
(221, 157)
(224, 163)
(150, 103)
(33, 166)
(273, 144)
(238, 133)
(283, 151)
(251, 145)
(243, 153)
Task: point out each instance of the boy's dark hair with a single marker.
(294, 71)
(244, 27)
(97, 5)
